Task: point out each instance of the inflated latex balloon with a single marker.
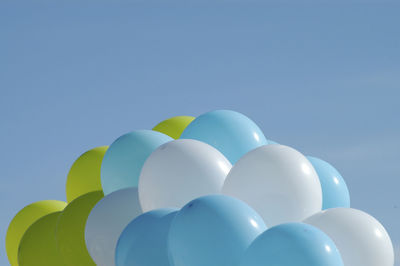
(38, 245)
(70, 232)
(232, 133)
(124, 159)
(174, 126)
(144, 241)
(292, 244)
(213, 230)
(360, 238)
(334, 189)
(278, 182)
(179, 171)
(84, 175)
(25, 218)
(106, 222)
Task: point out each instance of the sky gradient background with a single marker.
(322, 78)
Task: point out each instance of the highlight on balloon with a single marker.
(204, 191)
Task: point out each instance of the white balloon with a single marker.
(107, 220)
(278, 182)
(360, 238)
(180, 171)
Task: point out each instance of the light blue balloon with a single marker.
(125, 157)
(232, 133)
(292, 244)
(213, 230)
(144, 240)
(334, 189)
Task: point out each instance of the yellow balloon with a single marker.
(70, 232)
(174, 126)
(38, 245)
(25, 218)
(84, 175)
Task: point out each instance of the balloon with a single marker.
(38, 245)
(278, 182)
(174, 126)
(144, 241)
(360, 238)
(125, 158)
(292, 244)
(230, 132)
(70, 232)
(213, 230)
(84, 175)
(334, 189)
(106, 222)
(179, 171)
(25, 218)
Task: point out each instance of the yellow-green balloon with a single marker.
(25, 218)
(84, 175)
(70, 232)
(38, 245)
(174, 126)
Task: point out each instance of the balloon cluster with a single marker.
(205, 191)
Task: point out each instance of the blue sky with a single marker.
(323, 78)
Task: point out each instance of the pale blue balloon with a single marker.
(125, 157)
(144, 240)
(232, 133)
(292, 244)
(334, 189)
(213, 230)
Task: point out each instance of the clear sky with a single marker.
(323, 78)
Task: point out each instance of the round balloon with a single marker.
(334, 189)
(179, 171)
(232, 133)
(292, 244)
(124, 159)
(360, 238)
(84, 175)
(174, 126)
(107, 220)
(144, 241)
(25, 218)
(70, 231)
(278, 182)
(38, 245)
(213, 230)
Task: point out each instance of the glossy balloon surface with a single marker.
(334, 189)
(213, 230)
(38, 245)
(278, 182)
(23, 220)
(179, 171)
(174, 126)
(70, 232)
(144, 241)
(107, 220)
(84, 175)
(124, 159)
(230, 132)
(292, 244)
(360, 238)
